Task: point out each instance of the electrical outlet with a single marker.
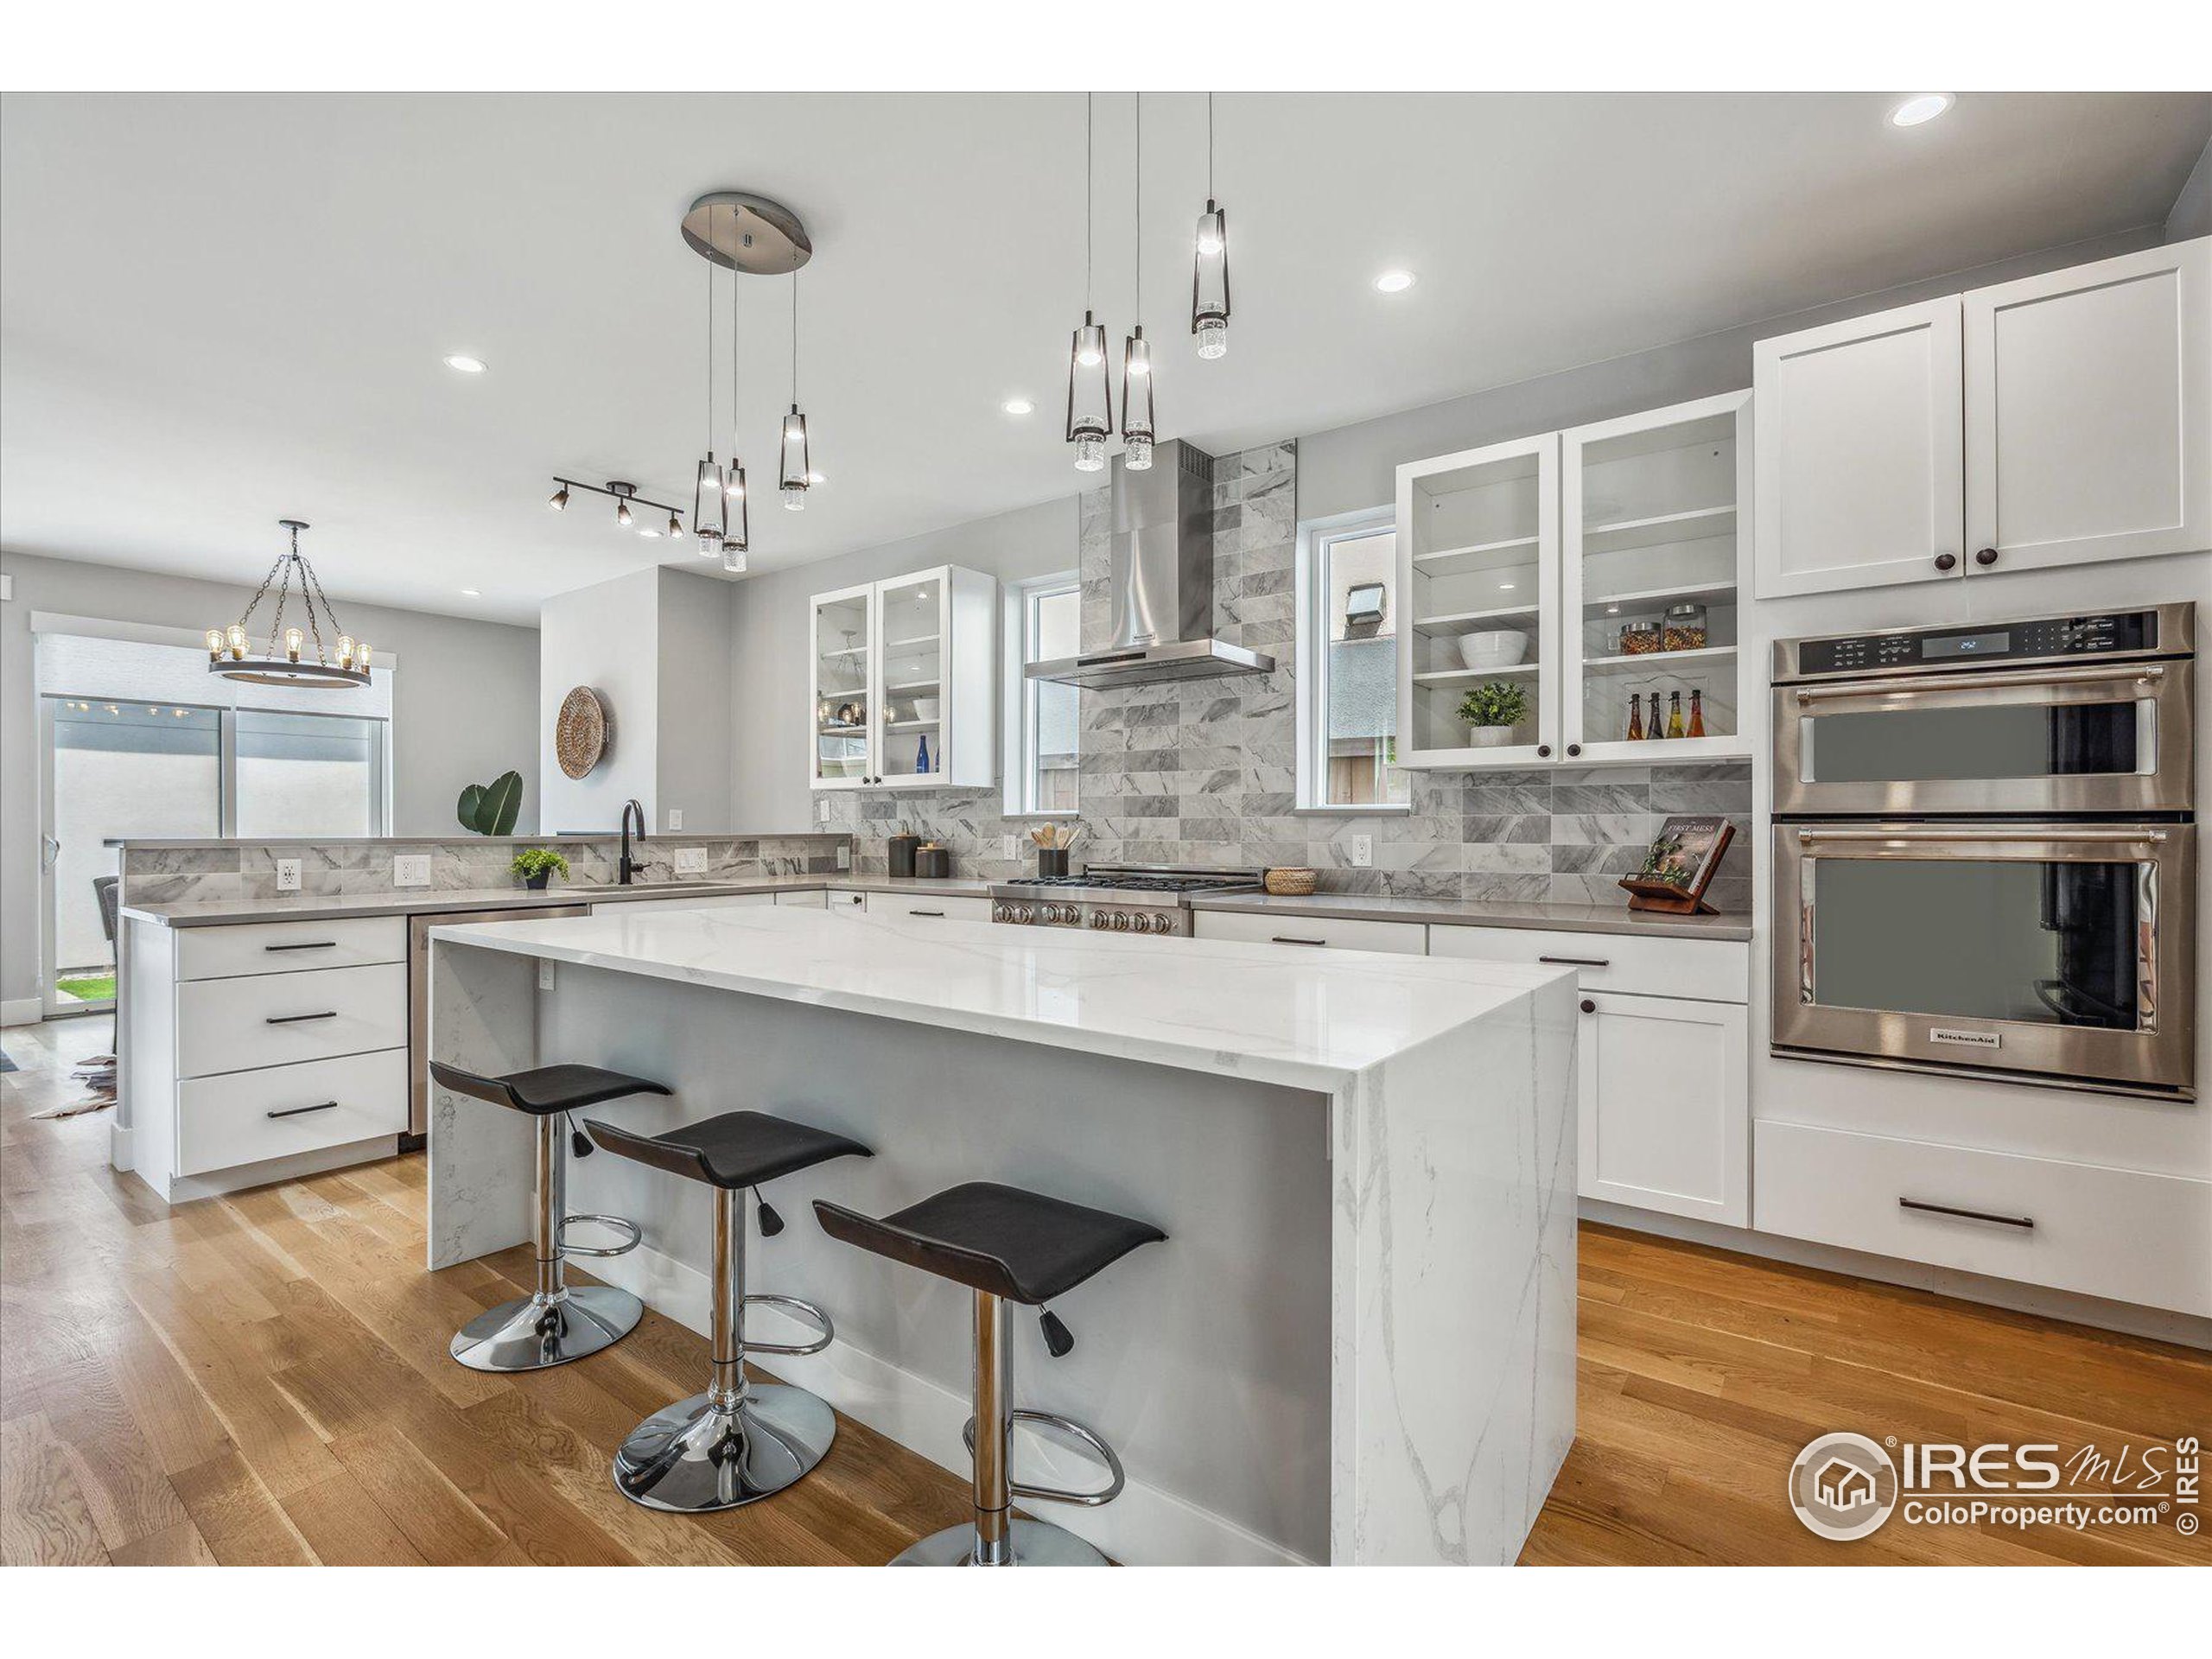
(845, 858)
(1363, 852)
(288, 875)
(545, 975)
(1009, 847)
(691, 861)
(675, 817)
(411, 870)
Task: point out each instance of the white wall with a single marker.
(464, 707)
(607, 637)
(696, 708)
(769, 670)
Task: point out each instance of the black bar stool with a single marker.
(739, 1440)
(555, 1322)
(1007, 1246)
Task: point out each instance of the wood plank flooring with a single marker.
(263, 1378)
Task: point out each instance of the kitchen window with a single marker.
(1348, 624)
(1043, 763)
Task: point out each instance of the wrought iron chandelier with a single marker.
(342, 661)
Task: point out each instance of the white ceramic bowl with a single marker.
(1496, 648)
(926, 708)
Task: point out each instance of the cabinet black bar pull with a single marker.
(297, 1111)
(2024, 1222)
(925, 912)
(1284, 939)
(295, 1019)
(1577, 961)
(315, 945)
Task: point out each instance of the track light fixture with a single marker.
(625, 497)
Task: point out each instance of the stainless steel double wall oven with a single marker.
(1985, 849)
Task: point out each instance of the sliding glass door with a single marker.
(118, 770)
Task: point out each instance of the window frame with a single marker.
(1315, 538)
(1018, 771)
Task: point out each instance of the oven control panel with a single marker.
(2043, 638)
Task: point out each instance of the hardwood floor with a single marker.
(263, 1378)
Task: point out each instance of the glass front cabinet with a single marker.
(1575, 595)
(902, 687)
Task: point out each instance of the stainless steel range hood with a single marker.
(1162, 576)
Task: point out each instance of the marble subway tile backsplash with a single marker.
(163, 876)
(1205, 772)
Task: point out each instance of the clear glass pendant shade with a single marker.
(1136, 401)
(1091, 396)
(1210, 283)
(710, 513)
(792, 479)
(737, 534)
(733, 559)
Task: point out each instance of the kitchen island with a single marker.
(1357, 1344)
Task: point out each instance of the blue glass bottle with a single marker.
(922, 754)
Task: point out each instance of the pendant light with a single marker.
(286, 661)
(737, 528)
(798, 472)
(1136, 355)
(709, 505)
(1091, 393)
(1209, 266)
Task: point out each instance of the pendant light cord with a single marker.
(794, 324)
(1088, 120)
(1137, 160)
(1208, 146)
(710, 340)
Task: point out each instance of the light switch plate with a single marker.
(288, 875)
(1363, 852)
(1008, 846)
(675, 817)
(691, 861)
(411, 870)
(545, 975)
(844, 858)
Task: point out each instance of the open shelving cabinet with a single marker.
(1565, 538)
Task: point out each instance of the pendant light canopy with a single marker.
(1090, 386)
(1209, 266)
(343, 661)
(1136, 355)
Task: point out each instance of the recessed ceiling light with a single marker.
(1017, 406)
(1922, 106)
(648, 530)
(1394, 282)
(471, 592)
(1505, 587)
(466, 364)
(816, 478)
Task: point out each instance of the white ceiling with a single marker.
(219, 310)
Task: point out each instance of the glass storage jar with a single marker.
(1685, 629)
(1639, 639)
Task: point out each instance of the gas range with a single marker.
(1116, 898)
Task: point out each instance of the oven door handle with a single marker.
(2137, 673)
(2060, 833)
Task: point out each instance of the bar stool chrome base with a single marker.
(535, 1331)
(695, 1456)
(1036, 1543)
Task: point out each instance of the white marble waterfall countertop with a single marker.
(1309, 1020)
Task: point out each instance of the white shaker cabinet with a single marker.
(902, 682)
(1857, 458)
(2088, 399)
(2055, 421)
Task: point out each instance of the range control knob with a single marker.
(1163, 923)
(998, 913)
(1121, 920)
(1098, 918)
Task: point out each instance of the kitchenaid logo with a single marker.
(1971, 1039)
(1846, 1486)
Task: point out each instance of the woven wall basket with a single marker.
(579, 733)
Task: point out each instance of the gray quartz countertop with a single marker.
(429, 900)
(1487, 913)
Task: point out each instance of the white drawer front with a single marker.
(927, 905)
(719, 901)
(848, 903)
(2115, 1233)
(289, 947)
(226, 1122)
(815, 899)
(234, 1024)
(1334, 933)
(1709, 970)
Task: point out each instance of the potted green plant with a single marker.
(1492, 710)
(535, 865)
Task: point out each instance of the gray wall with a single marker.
(2192, 213)
(606, 637)
(697, 710)
(464, 710)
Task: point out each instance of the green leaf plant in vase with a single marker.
(490, 809)
(1491, 711)
(535, 864)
